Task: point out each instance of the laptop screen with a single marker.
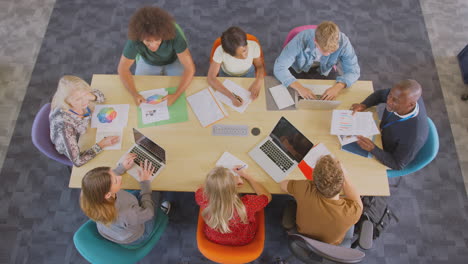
(149, 145)
(290, 140)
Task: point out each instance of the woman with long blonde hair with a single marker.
(70, 116)
(120, 216)
(230, 218)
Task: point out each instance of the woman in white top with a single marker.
(236, 57)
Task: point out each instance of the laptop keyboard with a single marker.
(141, 156)
(278, 157)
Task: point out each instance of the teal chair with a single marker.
(98, 250)
(424, 156)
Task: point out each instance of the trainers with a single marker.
(166, 207)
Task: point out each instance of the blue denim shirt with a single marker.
(300, 54)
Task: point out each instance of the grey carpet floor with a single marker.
(39, 214)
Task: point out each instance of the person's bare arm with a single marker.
(258, 187)
(259, 75)
(186, 60)
(350, 190)
(126, 77)
(284, 186)
(217, 85)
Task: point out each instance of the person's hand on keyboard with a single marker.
(128, 160)
(147, 171)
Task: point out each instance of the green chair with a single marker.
(96, 249)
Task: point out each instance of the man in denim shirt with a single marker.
(320, 50)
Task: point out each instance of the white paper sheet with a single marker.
(346, 139)
(234, 88)
(281, 96)
(154, 110)
(230, 161)
(205, 106)
(345, 123)
(108, 132)
(107, 116)
(315, 154)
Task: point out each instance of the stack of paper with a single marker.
(307, 165)
(236, 89)
(230, 161)
(109, 121)
(154, 109)
(206, 107)
(281, 96)
(347, 126)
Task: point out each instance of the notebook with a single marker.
(206, 107)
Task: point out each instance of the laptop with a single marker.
(282, 150)
(318, 104)
(145, 148)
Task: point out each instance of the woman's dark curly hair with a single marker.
(151, 21)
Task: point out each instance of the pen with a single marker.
(238, 169)
(237, 97)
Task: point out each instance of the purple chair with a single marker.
(296, 31)
(41, 136)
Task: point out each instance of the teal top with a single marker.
(166, 53)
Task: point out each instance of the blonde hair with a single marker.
(94, 187)
(67, 84)
(327, 36)
(223, 199)
(328, 176)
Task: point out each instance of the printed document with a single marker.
(281, 96)
(107, 116)
(345, 123)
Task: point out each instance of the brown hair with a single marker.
(94, 186)
(327, 36)
(233, 38)
(223, 199)
(151, 21)
(328, 176)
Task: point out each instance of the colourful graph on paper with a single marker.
(154, 99)
(345, 122)
(107, 115)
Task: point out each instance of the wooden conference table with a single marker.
(191, 150)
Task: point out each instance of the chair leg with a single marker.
(397, 183)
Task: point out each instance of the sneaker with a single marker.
(166, 207)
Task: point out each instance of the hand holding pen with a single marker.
(240, 169)
(236, 100)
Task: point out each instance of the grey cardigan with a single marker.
(131, 214)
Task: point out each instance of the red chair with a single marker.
(296, 31)
(217, 42)
(232, 254)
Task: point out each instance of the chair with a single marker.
(232, 254)
(309, 250)
(96, 249)
(40, 135)
(217, 43)
(296, 31)
(425, 155)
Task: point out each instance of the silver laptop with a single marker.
(318, 104)
(282, 150)
(145, 148)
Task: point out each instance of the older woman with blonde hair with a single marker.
(230, 218)
(69, 118)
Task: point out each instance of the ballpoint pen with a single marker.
(243, 166)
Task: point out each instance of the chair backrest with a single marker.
(40, 135)
(425, 155)
(217, 43)
(309, 250)
(296, 31)
(96, 249)
(232, 254)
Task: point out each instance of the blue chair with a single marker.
(40, 135)
(98, 250)
(424, 156)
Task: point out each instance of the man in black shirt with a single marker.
(404, 124)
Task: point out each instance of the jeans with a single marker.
(173, 69)
(149, 225)
(249, 74)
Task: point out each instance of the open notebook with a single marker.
(206, 107)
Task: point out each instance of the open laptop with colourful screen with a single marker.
(282, 150)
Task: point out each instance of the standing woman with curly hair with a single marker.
(159, 47)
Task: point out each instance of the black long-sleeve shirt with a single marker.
(401, 140)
